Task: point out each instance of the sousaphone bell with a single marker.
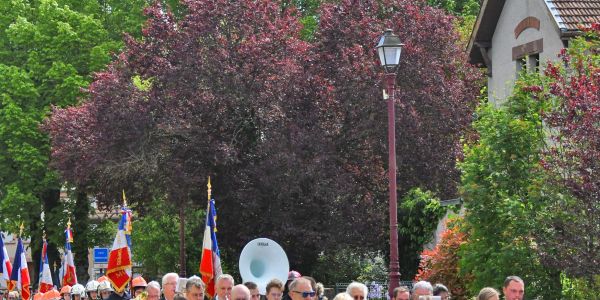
(261, 261)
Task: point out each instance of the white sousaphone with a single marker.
(261, 261)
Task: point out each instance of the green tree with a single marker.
(49, 50)
(501, 183)
(457, 7)
(351, 264)
(567, 237)
(156, 238)
(418, 217)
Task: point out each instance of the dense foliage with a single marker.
(568, 235)
(462, 8)
(48, 51)
(418, 218)
(501, 183)
(159, 229)
(288, 128)
(442, 263)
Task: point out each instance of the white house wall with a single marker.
(500, 85)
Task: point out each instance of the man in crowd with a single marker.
(223, 287)
(514, 288)
(357, 290)
(442, 291)
(422, 288)
(194, 288)
(169, 282)
(401, 293)
(300, 289)
(240, 292)
(153, 290)
(254, 294)
(286, 288)
(274, 290)
(123, 295)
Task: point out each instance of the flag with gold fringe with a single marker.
(118, 270)
(46, 283)
(69, 276)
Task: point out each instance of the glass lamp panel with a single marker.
(381, 55)
(392, 55)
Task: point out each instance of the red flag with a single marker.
(69, 277)
(118, 270)
(46, 283)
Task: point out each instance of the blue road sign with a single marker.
(100, 255)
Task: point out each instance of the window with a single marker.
(531, 63)
(521, 64)
(534, 62)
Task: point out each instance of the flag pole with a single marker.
(209, 188)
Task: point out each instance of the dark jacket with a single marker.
(115, 296)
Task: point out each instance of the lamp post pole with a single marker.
(389, 49)
(394, 275)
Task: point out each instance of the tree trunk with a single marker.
(80, 220)
(35, 245)
(50, 200)
(182, 266)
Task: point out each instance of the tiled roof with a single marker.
(569, 14)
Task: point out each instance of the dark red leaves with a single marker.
(293, 131)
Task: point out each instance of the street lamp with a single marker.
(389, 49)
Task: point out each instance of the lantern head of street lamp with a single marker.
(389, 49)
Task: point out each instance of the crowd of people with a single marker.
(513, 289)
(297, 287)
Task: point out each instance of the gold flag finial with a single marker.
(69, 223)
(44, 234)
(124, 199)
(21, 229)
(209, 188)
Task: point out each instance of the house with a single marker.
(510, 35)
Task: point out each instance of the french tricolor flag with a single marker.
(46, 283)
(20, 273)
(5, 267)
(69, 276)
(210, 263)
(118, 270)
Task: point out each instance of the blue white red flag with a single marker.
(210, 264)
(46, 283)
(127, 227)
(5, 267)
(20, 273)
(69, 276)
(118, 270)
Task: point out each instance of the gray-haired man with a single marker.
(194, 288)
(422, 288)
(223, 287)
